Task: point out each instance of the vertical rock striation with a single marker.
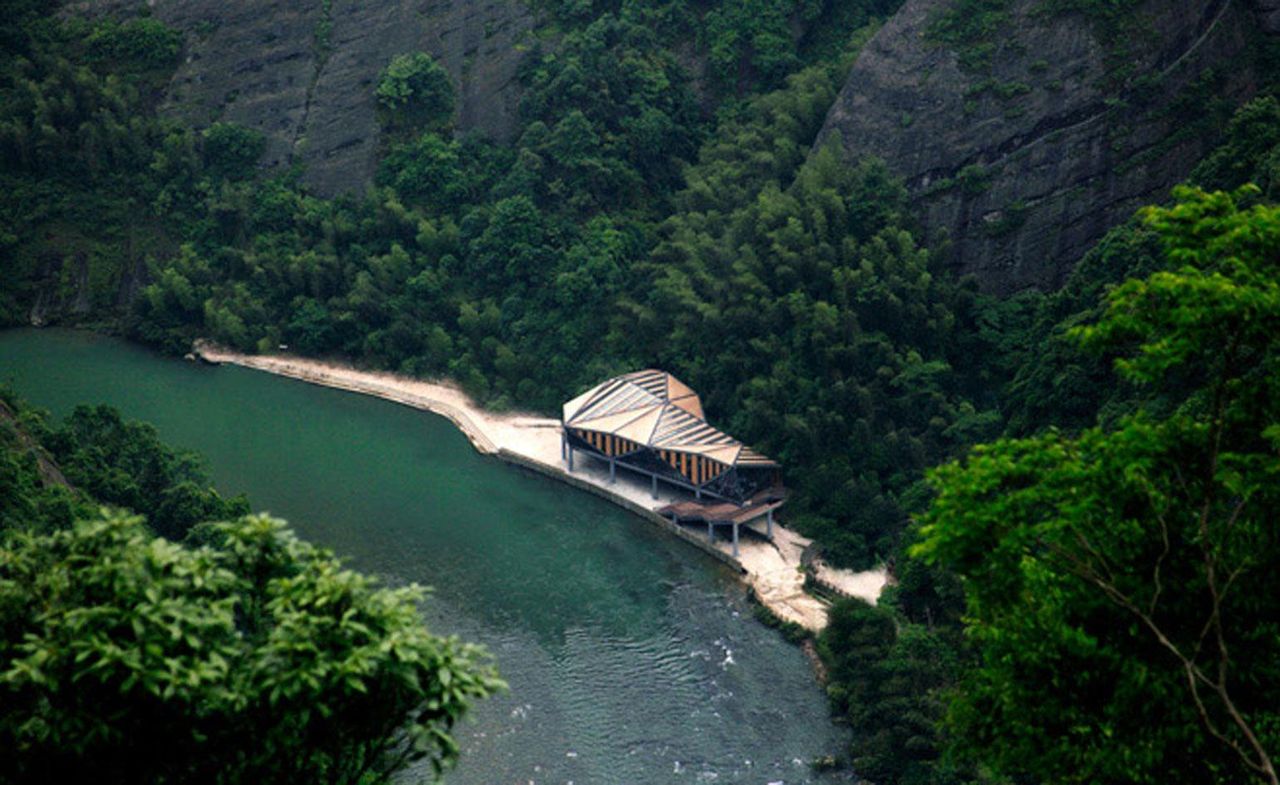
(1023, 158)
(303, 73)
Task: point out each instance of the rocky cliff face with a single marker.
(303, 73)
(1024, 158)
(1269, 15)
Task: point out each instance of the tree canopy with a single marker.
(1119, 584)
(254, 657)
(415, 92)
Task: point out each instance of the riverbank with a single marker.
(771, 569)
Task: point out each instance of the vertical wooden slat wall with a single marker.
(697, 469)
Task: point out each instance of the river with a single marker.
(632, 658)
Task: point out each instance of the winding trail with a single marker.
(771, 569)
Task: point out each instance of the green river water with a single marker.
(632, 658)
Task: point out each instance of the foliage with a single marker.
(459, 270)
(887, 678)
(426, 172)
(415, 92)
(79, 145)
(255, 658)
(144, 42)
(63, 118)
(746, 36)
(123, 463)
(31, 494)
(1053, 381)
(834, 337)
(746, 45)
(609, 119)
(52, 473)
(1118, 583)
(1250, 152)
(969, 27)
(231, 151)
(647, 213)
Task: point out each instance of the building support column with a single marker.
(711, 537)
(769, 523)
(735, 541)
(697, 493)
(564, 444)
(613, 471)
(655, 486)
(571, 459)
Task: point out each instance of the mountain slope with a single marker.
(304, 75)
(1026, 128)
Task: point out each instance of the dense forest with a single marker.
(1097, 446)
(148, 647)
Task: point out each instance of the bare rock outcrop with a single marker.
(304, 73)
(1025, 159)
(1268, 15)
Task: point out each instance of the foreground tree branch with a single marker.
(1118, 582)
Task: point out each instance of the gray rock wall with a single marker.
(1268, 15)
(1024, 165)
(269, 65)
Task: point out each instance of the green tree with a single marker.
(52, 474)
(232, 150)
(1250, 152)
(887, 677)
(144, 43)
(426, 172)
(254, 658)
(415, 93)
(834, 336)
(33, 493)
(1120, 585)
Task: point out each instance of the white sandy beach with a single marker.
(772, 569)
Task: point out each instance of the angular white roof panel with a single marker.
(656, 409)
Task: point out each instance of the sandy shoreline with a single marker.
(772, 569)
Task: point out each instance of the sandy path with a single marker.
(772, 569)
(529, 435)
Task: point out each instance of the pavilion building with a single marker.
(651, 423)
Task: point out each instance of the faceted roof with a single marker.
(657, 410)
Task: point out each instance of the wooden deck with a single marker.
(725, 514)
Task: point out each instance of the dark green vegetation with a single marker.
(415, 94)
(1137, 556)
(976, 30)
(55, 473)
(238, 655)
(255, 658)
(603, 240)
(1091, 602)
(639, 221)
(747, 45)
(582, 605)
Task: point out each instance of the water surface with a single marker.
(632, 658)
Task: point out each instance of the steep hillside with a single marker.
(1025, 129)
(303, 74)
